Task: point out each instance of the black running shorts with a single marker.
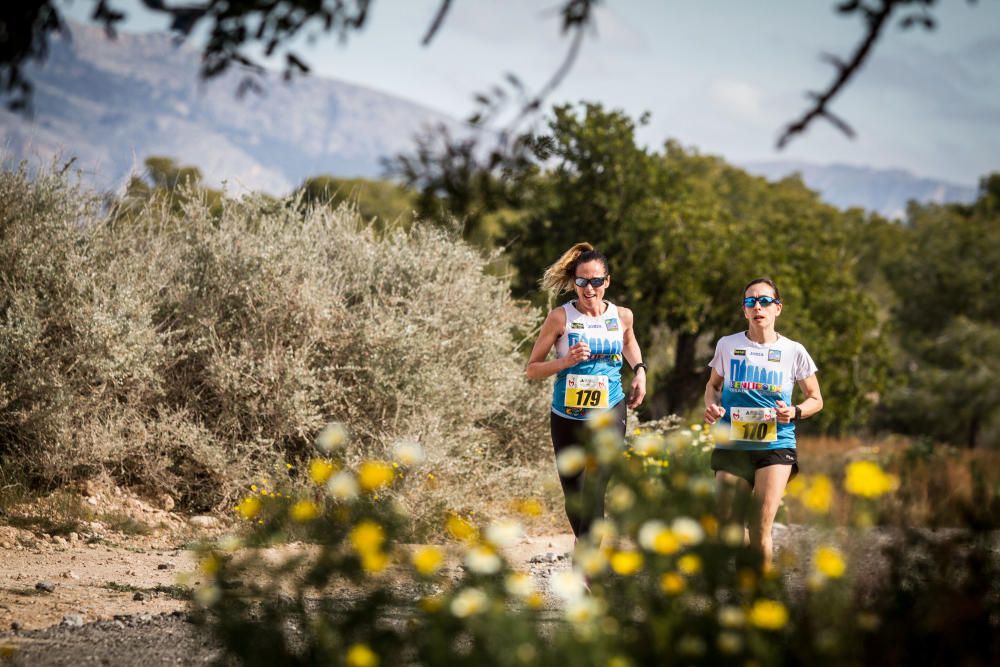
(746, 463)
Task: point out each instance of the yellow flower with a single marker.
(829, 562)
(209, 565)
(374, 475)
(689, 564)
(672, 583)
(367, 537)
(528, 507)
(796, 486)
(866, 478)
(359, 655)
(320, 470)
(304, 510)
(768, 614)
(431, 603)
(249, 507)
(626, 563)
(461, 529)
(374, 562)
(819, 495)
(427, 560)
(535, 600)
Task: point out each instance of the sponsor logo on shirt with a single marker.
(594, 326)
(611, 323)
(576, 325)
(744, 376)
(774, 355)
(739, 353)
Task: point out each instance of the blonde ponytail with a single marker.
(559, 277)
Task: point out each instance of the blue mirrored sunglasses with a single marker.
(765, 301)
(594, 282)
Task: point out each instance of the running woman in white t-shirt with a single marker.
(591, 337)
(750, 394)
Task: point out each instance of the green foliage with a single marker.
(684, 233)
(191, 354)
(380, 202)
(169, 183)
(946, 319)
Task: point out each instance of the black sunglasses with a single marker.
(594, 282)
(765, 301)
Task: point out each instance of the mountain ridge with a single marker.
(113, 103)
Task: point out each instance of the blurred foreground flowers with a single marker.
(659, 581)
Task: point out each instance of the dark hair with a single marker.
(559, 277)
(766, 281)
(590, 256)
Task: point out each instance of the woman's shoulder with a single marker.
(732, 339)
(557, 314)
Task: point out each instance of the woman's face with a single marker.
(589, 295)
(759, 315)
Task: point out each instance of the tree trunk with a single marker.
(684, 386)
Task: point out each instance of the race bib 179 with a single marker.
(586, 391)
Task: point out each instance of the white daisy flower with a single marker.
(343, 486)
(688, 530)
(482, 560)
(571, 461)
(504, 532)
(408, 453)
(332, 437)
(568, 585)
(469, 602)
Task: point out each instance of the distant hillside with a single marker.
(885, 191)
(114, 103)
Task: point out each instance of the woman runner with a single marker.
(591, 337)
(750, 394)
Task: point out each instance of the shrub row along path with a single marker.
(99, 596)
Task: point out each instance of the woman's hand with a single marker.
(577, 353)
(638, 389)
(714, 412)
(786, 413)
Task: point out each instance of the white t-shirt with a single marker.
(755, 376)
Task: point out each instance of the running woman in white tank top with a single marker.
(592, 339)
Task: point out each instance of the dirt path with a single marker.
(117, 600)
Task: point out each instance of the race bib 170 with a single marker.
(755, 424)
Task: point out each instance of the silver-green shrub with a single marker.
(192, 354)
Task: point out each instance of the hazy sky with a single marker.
(720, 75)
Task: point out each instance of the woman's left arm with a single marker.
(812, 404)
(632, 355)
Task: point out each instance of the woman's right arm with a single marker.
(713, 394)
(552, 328)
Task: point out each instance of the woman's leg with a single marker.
(570, 433)
(584, 492)
(596, 479)
(768, 488)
